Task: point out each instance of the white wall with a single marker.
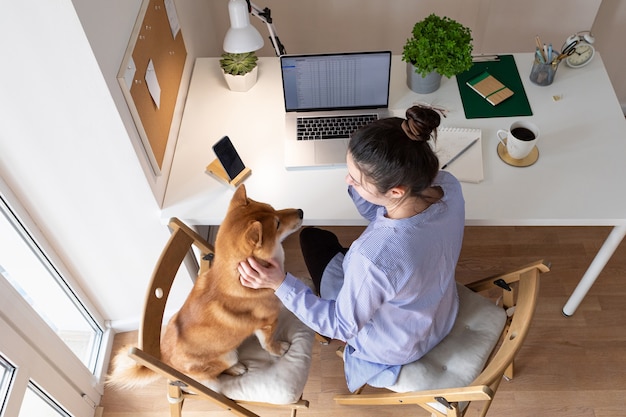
(108, 26)
(497, 25)
(610, 32)
(65, 153)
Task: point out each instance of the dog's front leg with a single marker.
(233, 366)
(266, 337)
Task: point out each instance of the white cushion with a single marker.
(460, 357)
(271, 379)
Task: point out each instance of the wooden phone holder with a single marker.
(216, 169)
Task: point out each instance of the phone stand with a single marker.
(216, 169)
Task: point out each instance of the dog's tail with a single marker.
(127, 373)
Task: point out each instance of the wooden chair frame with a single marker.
(520, 291)
(148, 351)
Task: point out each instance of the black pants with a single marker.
(318, 248)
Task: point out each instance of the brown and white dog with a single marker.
(201, 339)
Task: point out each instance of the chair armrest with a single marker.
(487, 283)
(202, 390)
(204, 246)
(472, 393)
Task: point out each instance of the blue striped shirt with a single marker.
(394, 291)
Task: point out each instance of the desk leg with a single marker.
(602, 257)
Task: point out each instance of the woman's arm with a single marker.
(365, 289)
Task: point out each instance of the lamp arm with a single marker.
(265, 15)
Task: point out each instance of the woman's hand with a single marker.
(254, 275)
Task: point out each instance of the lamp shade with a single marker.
(242, 36)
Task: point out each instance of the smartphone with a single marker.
(228, 156)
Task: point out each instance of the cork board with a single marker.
(151, 73)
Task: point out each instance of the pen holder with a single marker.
(543, 73)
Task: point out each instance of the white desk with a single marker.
(578, 179)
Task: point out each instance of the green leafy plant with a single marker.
(238, 64)
(439, 44)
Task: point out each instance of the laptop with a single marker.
(338, 92)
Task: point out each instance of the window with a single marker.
(38, 403)
(34, 385)
(24, 265)
(51, 338)
(6, 375)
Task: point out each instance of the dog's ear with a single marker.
(240, 198)
(254, 234)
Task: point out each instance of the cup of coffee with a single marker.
(520, 138)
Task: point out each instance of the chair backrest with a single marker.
(517, 329)
(177, 248)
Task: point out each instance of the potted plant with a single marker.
(240, 70)
(440, 46)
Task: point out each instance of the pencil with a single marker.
(540, 47)
(460, 153)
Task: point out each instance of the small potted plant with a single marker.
(240, 70)
(440, 46)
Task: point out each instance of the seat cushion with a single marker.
(271, 379)
(460, 357)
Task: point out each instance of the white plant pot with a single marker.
(241, 83)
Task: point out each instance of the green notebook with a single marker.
(505, 71)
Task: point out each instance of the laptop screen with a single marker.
(355, 80)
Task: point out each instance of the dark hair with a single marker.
(395, 152)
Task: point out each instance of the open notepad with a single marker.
(468, 167)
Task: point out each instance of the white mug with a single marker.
(520, 138)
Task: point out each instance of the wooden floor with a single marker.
(569, 367)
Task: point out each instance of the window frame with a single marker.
(70, 385)
(6, 380)
(55, 271)
(36, 351)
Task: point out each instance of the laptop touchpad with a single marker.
(331, 151)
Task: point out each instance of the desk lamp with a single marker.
(242, 36)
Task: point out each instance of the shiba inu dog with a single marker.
(201, 339)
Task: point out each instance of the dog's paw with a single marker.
(280, 348)
(237, 369)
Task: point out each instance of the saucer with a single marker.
(527, 161)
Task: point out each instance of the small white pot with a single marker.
(242, 83)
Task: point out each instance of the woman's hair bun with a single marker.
(421, 123)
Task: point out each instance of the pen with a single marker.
(550, 53)
(460, 153)
(539, 56)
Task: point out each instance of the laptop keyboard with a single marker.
(337, 127)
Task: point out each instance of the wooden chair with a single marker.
(470, 362)
(276, 382)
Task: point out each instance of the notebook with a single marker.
(490, 88)
(452, 142)
(320, 86)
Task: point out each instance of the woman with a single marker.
(392, 295)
